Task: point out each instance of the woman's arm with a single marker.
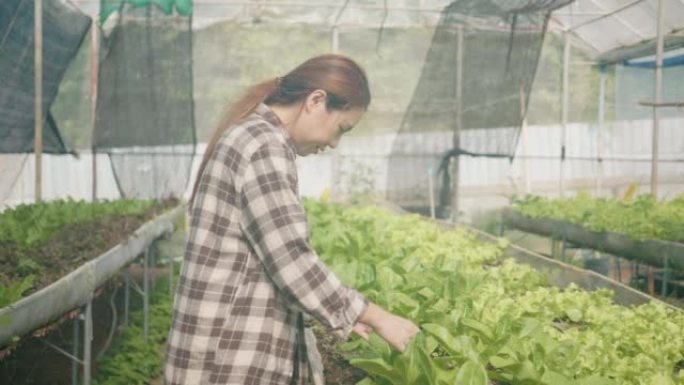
(274, 223)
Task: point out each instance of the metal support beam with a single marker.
(657, 97)
(171, 274)
(555, 254)
(563, 247)
(70, 356)
(431, 192)
(458, 122)
(523, 144)
(666, 277)
(599, 131)
(38, 88)
(74, 350)
(564, 112)
(662, 104)
(127, 295)
(94, 67)
(87, 341)
(146, 294)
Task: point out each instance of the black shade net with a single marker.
(145, 113)
(64, 28)
(496, 44)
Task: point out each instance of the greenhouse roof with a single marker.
(618, 30)
(610, 31)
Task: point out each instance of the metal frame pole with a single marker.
(666, 277)
(38, 87)
(523, 144)
(94, 67)
(599, 130)
(87, 341)
(127, 295)
(658, 92)
(431, 192)
(171, 275)
(74, 351)
(146, 292)
(458, 121)
(335, 171)
(564, 111)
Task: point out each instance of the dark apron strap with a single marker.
(299, 346)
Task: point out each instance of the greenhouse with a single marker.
(466, 192)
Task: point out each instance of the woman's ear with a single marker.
(316, 98)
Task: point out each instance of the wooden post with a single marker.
(458, 121)
(38, 87)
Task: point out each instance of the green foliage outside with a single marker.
(641, 218)
(484, 317)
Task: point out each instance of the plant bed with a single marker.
(52, 242)
(641, 218)
(487, 319)
(40, 309)
(654, 252)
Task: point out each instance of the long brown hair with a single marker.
(344, 81)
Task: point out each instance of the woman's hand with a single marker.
(362, 330)
(397, 331)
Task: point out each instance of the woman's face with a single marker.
(318, 128)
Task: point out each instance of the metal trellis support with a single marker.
(144, 291)
(86, 361)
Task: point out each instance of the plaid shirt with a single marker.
(249, 270)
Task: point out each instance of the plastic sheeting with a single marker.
(611, 26)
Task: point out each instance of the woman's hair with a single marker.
(343, 80)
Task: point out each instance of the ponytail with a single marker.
(242, 108)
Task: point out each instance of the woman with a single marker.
(249, 270)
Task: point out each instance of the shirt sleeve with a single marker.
(275, 224)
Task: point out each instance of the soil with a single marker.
(336, 368)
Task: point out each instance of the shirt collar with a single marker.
(267, 113)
